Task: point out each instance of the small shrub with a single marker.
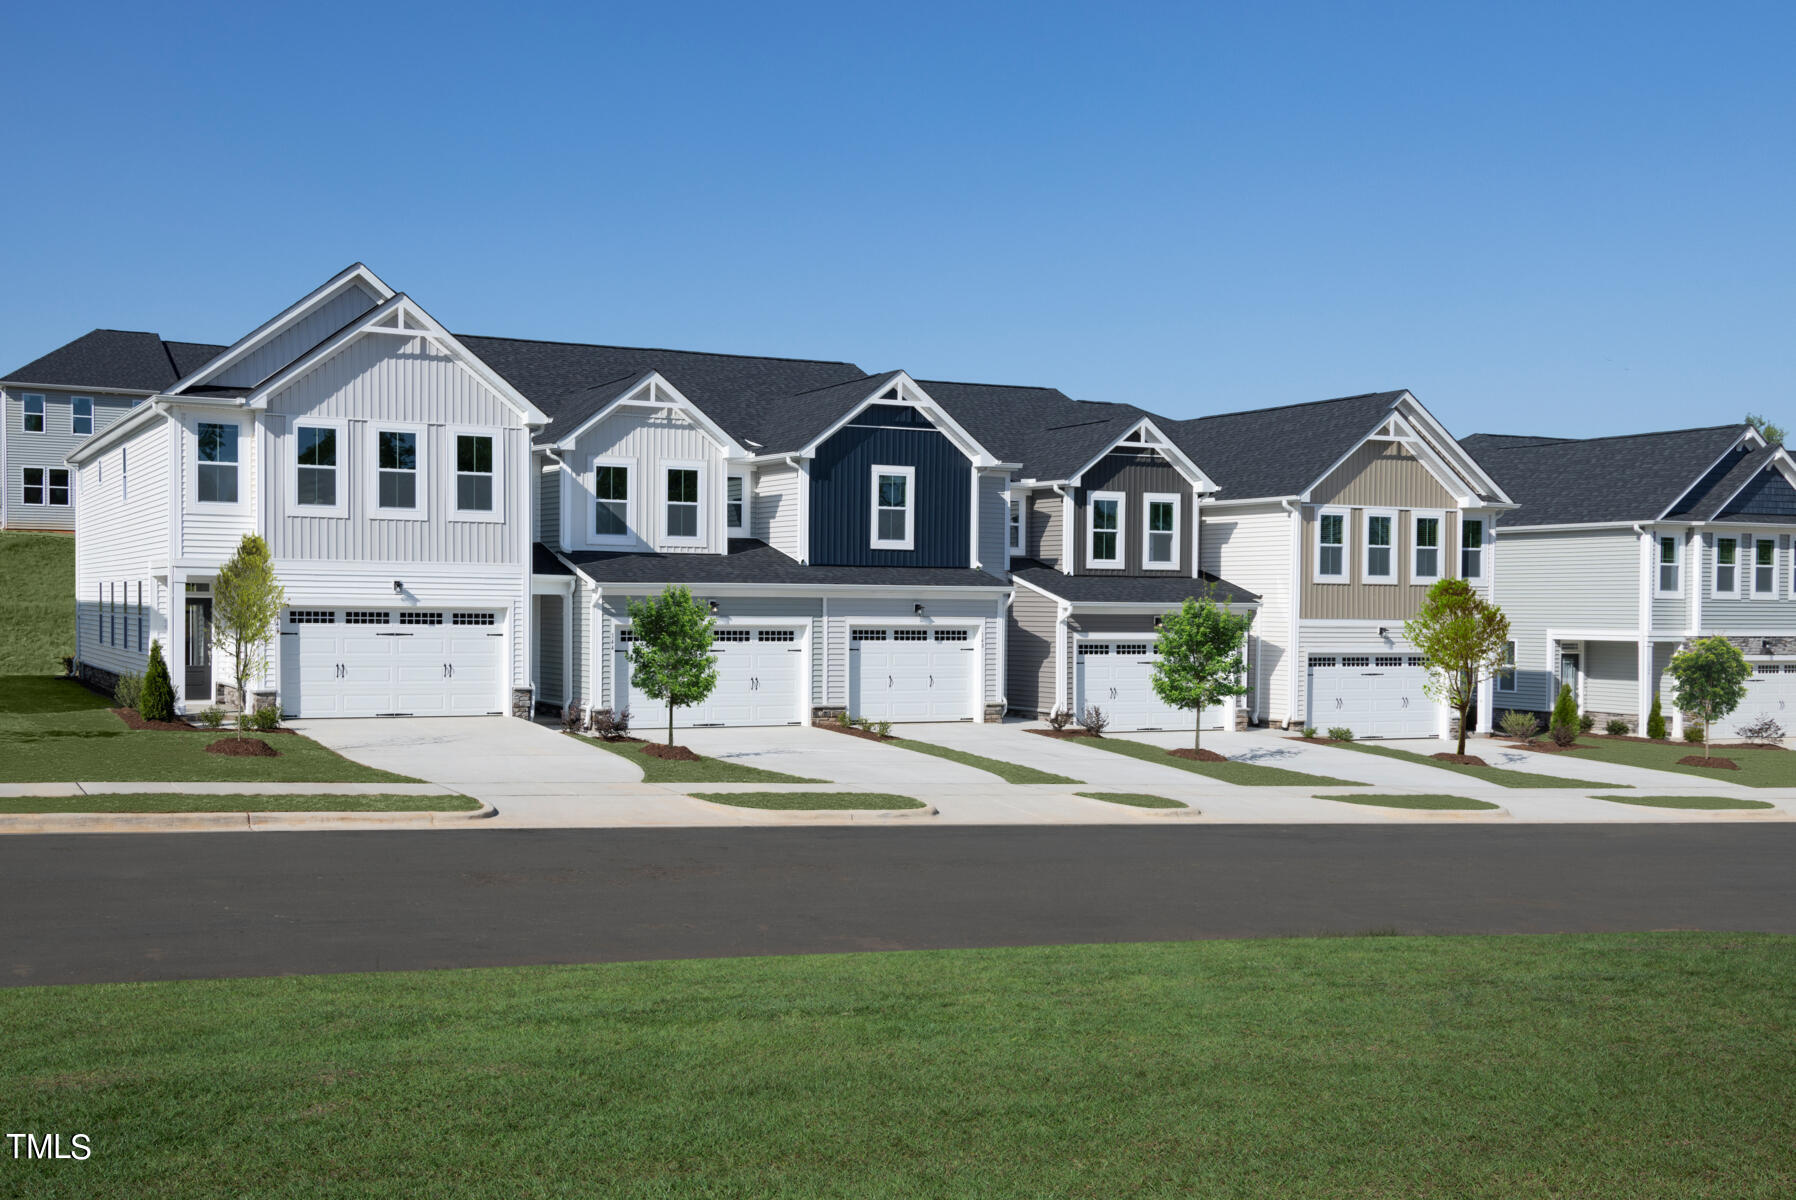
(264, 717)
(1093, 720)
(212, 716)
(1655, 722)
(611, 724)
(1564, 736)
(1565, 708)
(1693, 732)
(1309, 731)
(1059, 719)
(1339, 733)
(128, 693)
(1521, 726)
(571, 716)
(1586, 722)
(1617, 727)
(158, 700)
(1765, 729)
(880, 728)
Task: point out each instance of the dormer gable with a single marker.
(296, 329)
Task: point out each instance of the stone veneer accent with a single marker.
(523, 701)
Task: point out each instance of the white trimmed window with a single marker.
(1104, 529)
(32, 484)
(1380, 561)
(318, 449)
(1670, 579)
(474, 455)
(1727, 566)
(216, 456)
(1160, 532)
(735, 505)
(1425, 547)
(1506, 675)
(1016, 526)
(683, 519)
(613, 513)
(1331, 545)
(1471, 548)
(894, 508)
(1764, 566)
(34, 412)
(399, 471)
(81, 415)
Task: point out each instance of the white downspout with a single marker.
(1066, 527)
(1062, 613)
(803, 469)
(1294, 655)
(1643, 647)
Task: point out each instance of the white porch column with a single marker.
(175, 649)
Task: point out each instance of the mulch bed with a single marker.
(242, 747)
(1198, 755)
(1318, 741)
(1719, 764)
(1463, 760)
(1630, 737)
(671, 753)
(1065, 733)
(851, 731)
(134, 720)
(1545, 747)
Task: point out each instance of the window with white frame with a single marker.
(34, 412)
(45, 485)
(894, 508)
(81, 415)
(735, 505)
(474, 472)
(682, 503)
(316, 449)
(1764, 566)
(1471, 548)
(31, 482)
(1727, 566)
(1016, 526)
(399, 459)
(1506, 675)
(1425, 556)
(216, 460)
(1380, 564)
(1104, 529)
(59, 487)
(1331, 546)
(1160, 532)
(612, 517)
(1670, 580)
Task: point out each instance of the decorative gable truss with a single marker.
(1411, 427)
(1144, 435)
(898, 388)
(652, 392)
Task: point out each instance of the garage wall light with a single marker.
(919, 610)
(713, 608)
(398, 587)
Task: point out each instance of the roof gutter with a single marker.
(117, 431)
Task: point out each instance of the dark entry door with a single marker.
(199, 650)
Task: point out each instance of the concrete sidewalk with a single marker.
(13, 790)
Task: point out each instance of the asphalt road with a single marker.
(90, 908)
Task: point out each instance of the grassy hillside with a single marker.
(37, 602)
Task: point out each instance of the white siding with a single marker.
(122, 538)
(1251, 548)
(210, 535)
(1570, 581)
(846, 611)
(296, 339)
(774, 517)
(548, 502)
(616, 610)
(649, 441)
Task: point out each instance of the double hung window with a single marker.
(1331, 546)
(1471, 548)
(1727, 566)
(735, 505)
(216, 465)
(81, 415)
(1425, 562)
(1764, 566)
(34, 412)
(682, 503)
(1381, 548)
(611, 506)
(1670, 581)
(474, 472)
(894, 508)
(45, 485)
(397, 466)
(315, 469)
(1104, 529)
(1161, 547)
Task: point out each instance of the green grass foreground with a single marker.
(1632, 1067)
(54, 730)
(1133, 799)
(1427, 803)
(819, 801)
(37, 602)
(1500, 776)
(1244, 774)
(1009, 772)
(1711, 803)
(169, 802)
(705, 770)
(1758, 768)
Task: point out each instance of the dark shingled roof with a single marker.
(1278, 451)
(1127, 589)
(1708, 498)
(1575, 481)
(1047, 431)
(116, 358)
(544, 562)
(754, 561)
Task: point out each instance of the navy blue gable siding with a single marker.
(1769, 494)
(842, 496)
(892, 414)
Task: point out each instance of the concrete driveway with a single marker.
(825, 754)
(1011, 741)
(480, 756)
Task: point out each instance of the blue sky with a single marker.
(1572, 218)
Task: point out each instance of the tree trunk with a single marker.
(1463, 716)
(670, 708)
(1197, 731)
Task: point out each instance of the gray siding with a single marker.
(1749, 613)
(548, 504)
(48, 449)
(549, 644)
(1134, 475)
(1578, 580)
(1671, 614)
(1045, 517)
(1029, 686)
(1611, 676)
(1357, 600)
(286, 346)
(994, 522)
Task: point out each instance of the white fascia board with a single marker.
(1240, 501)
(1180, 461)
(1565, 528)
(649, 390)
(810, 590)
(1446, 445)
(551, 585)
(1785, 466)
(919, 399)
(353, 275)
(1137, 606)
(1041, 591)
(138, 417)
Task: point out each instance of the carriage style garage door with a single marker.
(1375, 695)
(900, 674)
(760, 674)
(1116, 676)
(349, 662)
(1770, 692)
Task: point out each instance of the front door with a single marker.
(1568, 675)
(199, 650)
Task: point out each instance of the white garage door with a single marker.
(759, 678)
(1116, 676)
(1771, 692)
(898, 674)
(1375, 695)
(348, 662)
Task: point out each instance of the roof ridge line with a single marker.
(491, 337)
(1242, 412)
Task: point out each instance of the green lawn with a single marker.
(1501, 776)
(1426, 803)
(1008, 771)
(1245, 774)
(1714, 803)
(58, 730)
(820, 801)
(1133, 799)
(1758, 768)
(158, 802)
(1620, 1067)
(37, 602)
(705, 770)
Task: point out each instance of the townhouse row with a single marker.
(461, 522)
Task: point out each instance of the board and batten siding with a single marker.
(1571, 580)
(841, 509)
(1135, 475)
(122, 538)
(994, 522)
(1382, 475)
(48, 450)
(290, 343)
(1030, 684)
(773, 514)
(1044, 518)
(1250, 546)
(548, 502)
(649, 441)
(380, 378)
(1361, 601)
(209, 535)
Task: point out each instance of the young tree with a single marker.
(1464, 639)
(1200, 658)
(671, 657)
(1711, 681)
(1565, 709)
(1771, 433)
(246, 604)
(1655, 721)
(156, 702)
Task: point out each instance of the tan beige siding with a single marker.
(1030, 670)
(1355, 600)
(1382, 475)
